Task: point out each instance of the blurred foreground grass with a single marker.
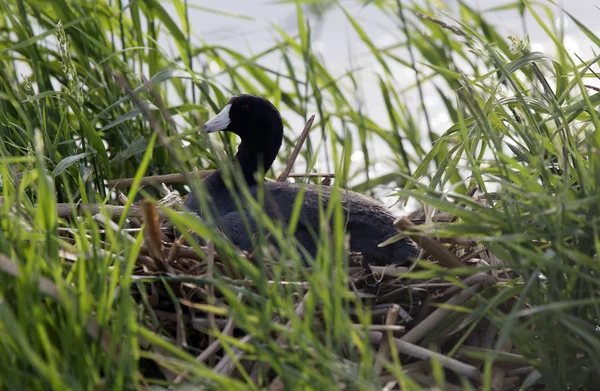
(518, 170)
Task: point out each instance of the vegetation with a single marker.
(511, 188)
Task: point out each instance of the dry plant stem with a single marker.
(173, 252)
(423, 328)
(382, 327)
(189, 252)
(66, 210)
(499, 372)
(75, 231)
(523, 371)
(512, 383)
(384, 348)
(141, 260)
(391, 270)
(478, 278)
(156, 180)
(507, 360)
(114, 226)
(425, 354)
(311, 175)
(213, 347)
(181, 335)
(467, 257)
(435, 248)
(429, 382)
(124, 200)
(490, 335)
(226, 366)
(201, 324)
(296, 152)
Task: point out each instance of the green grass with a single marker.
(77, 310)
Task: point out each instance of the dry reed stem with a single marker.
(124, 200)
(156, 180)
(432, 246)
(499, 372)
(430, 383)
(382, 327)
(429, 323)
(478, 278)
(114, 226)
(504, 359)
(180, 335)
(173, 252)
(148, 262)
(522, 371)
(178, 178)
(226, 366)
(426, 354)
(387, 339)
(66, 210)
(214, 346)
(284, 175)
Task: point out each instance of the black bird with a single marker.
(258, 124)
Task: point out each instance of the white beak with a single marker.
(219, 121)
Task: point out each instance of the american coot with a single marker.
(258, 124)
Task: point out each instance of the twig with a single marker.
(284, 175)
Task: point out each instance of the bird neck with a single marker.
(253, 156)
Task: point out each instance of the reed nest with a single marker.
(419, 317)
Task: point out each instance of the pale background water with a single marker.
(334, 39)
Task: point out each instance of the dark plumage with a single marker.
(258, 124)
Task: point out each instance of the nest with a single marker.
(405, 312)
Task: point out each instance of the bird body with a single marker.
(260, 128)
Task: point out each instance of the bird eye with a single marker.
(245, 107)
